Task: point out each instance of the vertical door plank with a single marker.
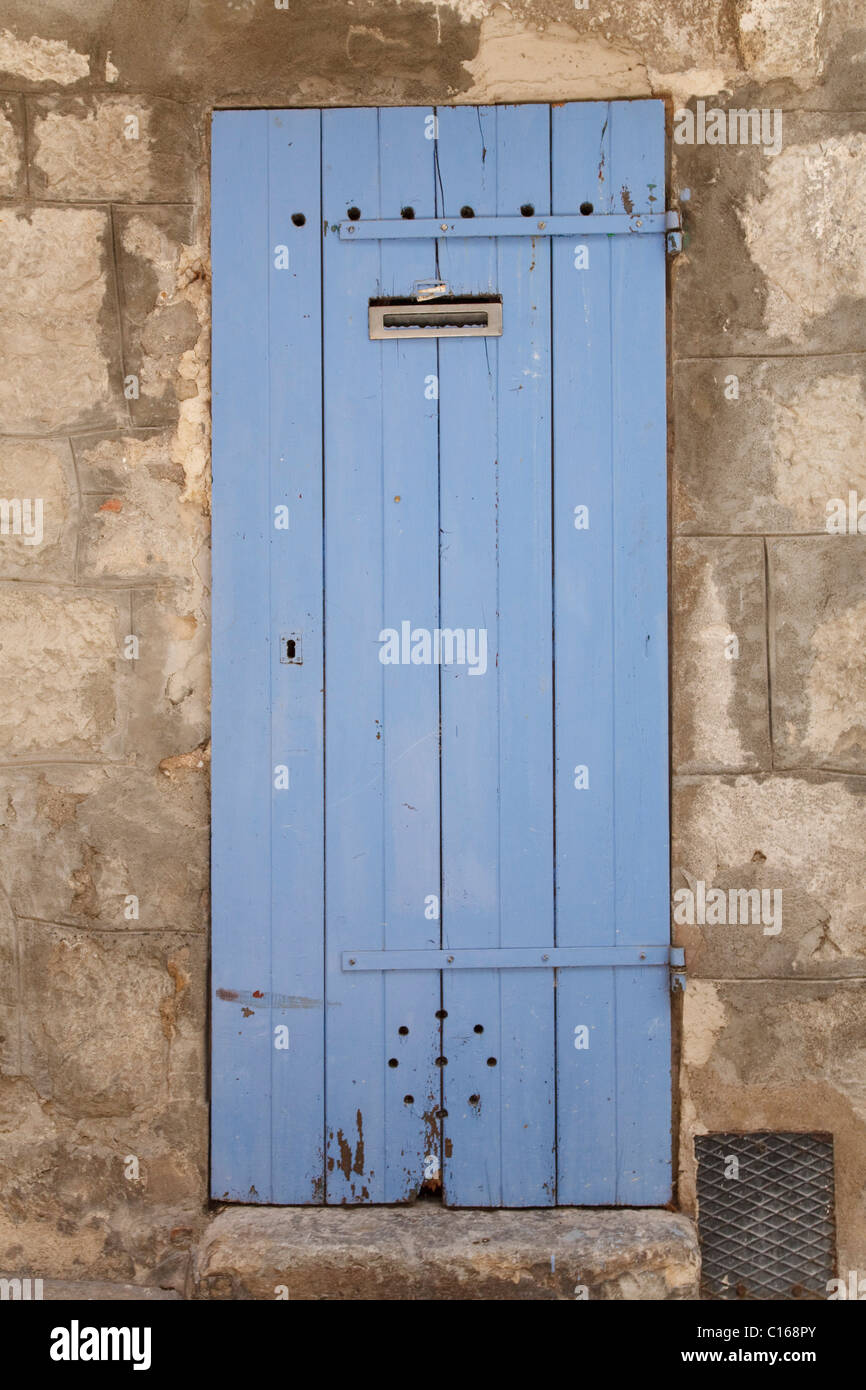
(354, 714)
(469, 481)
(267, 767)
(242, 1051)
(583, 624)
(525, 670)
(297, 810)
(410, 732)
(614, 1101)
(640, 656)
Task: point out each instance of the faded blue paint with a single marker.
(446, 499)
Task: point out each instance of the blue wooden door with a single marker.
(440, 827)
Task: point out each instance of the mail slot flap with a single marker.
(456, 318)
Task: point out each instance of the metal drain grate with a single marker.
(765, 1215)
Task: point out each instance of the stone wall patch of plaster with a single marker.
(517, 63)
(42, 60)
(704, 1018)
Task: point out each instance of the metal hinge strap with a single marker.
(514, 958)
(568, 224)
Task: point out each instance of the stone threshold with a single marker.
(426, 1251)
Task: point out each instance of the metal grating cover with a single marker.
(765, 1215)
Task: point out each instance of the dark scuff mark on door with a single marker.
(359, 1147)
(432, 1146)
(348, 1162)
(345, 1162)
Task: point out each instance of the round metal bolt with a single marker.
(352, 961)
(443, 226)
(450, 960)
(351, 230)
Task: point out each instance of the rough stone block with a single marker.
(58, 321)
(766, 444)
(425, 1252)
(800, 836)
(77, 841)
(170, 713)
(141, 528)
(62, 688)
(159, 322)
(115, 148)
(73, 1203)
(775, 244)
(12, 183)
(817, 644)
(783, 1055)
(38, 531)
(103, 1164)
(136, 988)
(719, 687)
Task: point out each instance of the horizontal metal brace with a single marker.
(568, 224)
(514, 958)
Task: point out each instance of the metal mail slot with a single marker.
(464, 318)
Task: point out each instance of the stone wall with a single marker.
(104, 414)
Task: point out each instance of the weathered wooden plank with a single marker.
(410, 556)
(468, 472)
(354, 617)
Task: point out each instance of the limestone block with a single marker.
(80, 990)
(169, 713)
(818, 638)
(116, 148)
(800, 837)
(63, 671)
(719, 683)
(113, 847)
(775, 243)
(142, 529)
(58, 321)
(767, 444)
(38, 529)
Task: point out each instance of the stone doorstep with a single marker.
(425, 1252)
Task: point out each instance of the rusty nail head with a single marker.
(351, 960)
(450, 960)
(545, 957)
(351, 229)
